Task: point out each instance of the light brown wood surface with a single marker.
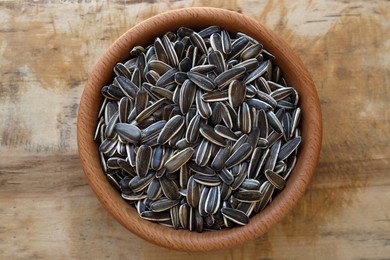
(48, 211)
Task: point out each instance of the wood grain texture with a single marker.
(47, 209)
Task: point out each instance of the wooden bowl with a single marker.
(143, 34)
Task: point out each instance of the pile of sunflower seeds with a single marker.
(199, 129)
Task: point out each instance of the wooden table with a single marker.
(47, 209)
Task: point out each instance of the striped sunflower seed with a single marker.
(228, 76)
(186, 96)
(235, 215)
(172, 127)
(142, 161)
(193, 192)
(179, 159)
(163, 204)
(276, 180)
(201, 80)
(219, 160)
(236, 93)
(128, 133)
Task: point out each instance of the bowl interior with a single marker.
(295, 74)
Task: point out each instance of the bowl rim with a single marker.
(299, 179)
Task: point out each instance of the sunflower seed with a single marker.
(252, 51)
(203, 153)
(244, 118)
(193, 192)
(249, 64)
(208, 132)
(242, 174)
(140, 65)
(154, 190)
(150, 110)
(214, 96)
(152, 131)
(131, 155)
(274, 86)
(128, 133)
(273, 137)
(205, 170)
(163, 92)
(213, 200)
(133, 197)
(163, 204)
(276, 180)
(185, 64)
(157, 160)
(158, 66)
(225, 132)
(198, 41)
(291, 161)
(203, 69)
(295, 120)
(201, 80)
(170, 51)
(124, 108)
(187, 96)
(226, 116)
(184, 215)
(156, 216)
(125, 166)
(207, 180)
(248, 196)
(169, 188)
(237, 93)
(259, 104)
(260, 71)
(173, 141)
(250, 184)
(253, 137)
(281, 93)
(262, 84)
(198, 221)
(98, 129)
(216, 58)
(109, 130)
(226, 176)
(172, 127)
(161, 53)
(136, 77)
(274, 122)
(179, 159)
(202, 107)
(138, 183)
(238, 46)
(114, 180)
(167, 78)
(142, 161)
(237, 216)
(273, 156)
(288, 148)
(226, 42)
(127, 87)
(216, 42)
(121, 70)
(184, 175)
(228, 76)
(239, 155)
